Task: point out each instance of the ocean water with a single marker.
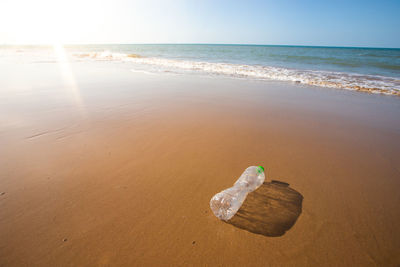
(374, 70)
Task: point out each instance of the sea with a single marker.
(373, 70)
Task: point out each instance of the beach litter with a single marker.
(226, 203)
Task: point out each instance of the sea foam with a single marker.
(351, 81)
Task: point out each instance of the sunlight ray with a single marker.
(68, 77)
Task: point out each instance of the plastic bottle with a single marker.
(226, 203)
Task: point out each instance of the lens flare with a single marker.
(68, 77)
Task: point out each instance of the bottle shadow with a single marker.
(271, 210)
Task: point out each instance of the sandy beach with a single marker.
(116, 168)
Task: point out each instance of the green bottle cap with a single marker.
(260, 169)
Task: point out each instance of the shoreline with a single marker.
(124, 175)
(351, 81)
(353, 69)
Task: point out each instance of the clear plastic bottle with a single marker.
(226, 203)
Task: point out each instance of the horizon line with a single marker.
(178, 43)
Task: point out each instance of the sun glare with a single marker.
(48, 22)
(68, 76)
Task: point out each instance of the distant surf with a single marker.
(335, 79)
(373, 70)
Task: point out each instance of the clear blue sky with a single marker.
(302, 22)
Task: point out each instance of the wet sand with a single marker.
(120, 170)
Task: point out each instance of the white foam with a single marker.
(143, 71)
(351, 81)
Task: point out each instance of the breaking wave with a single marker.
(351, 81)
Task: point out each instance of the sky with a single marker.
(369, 23)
